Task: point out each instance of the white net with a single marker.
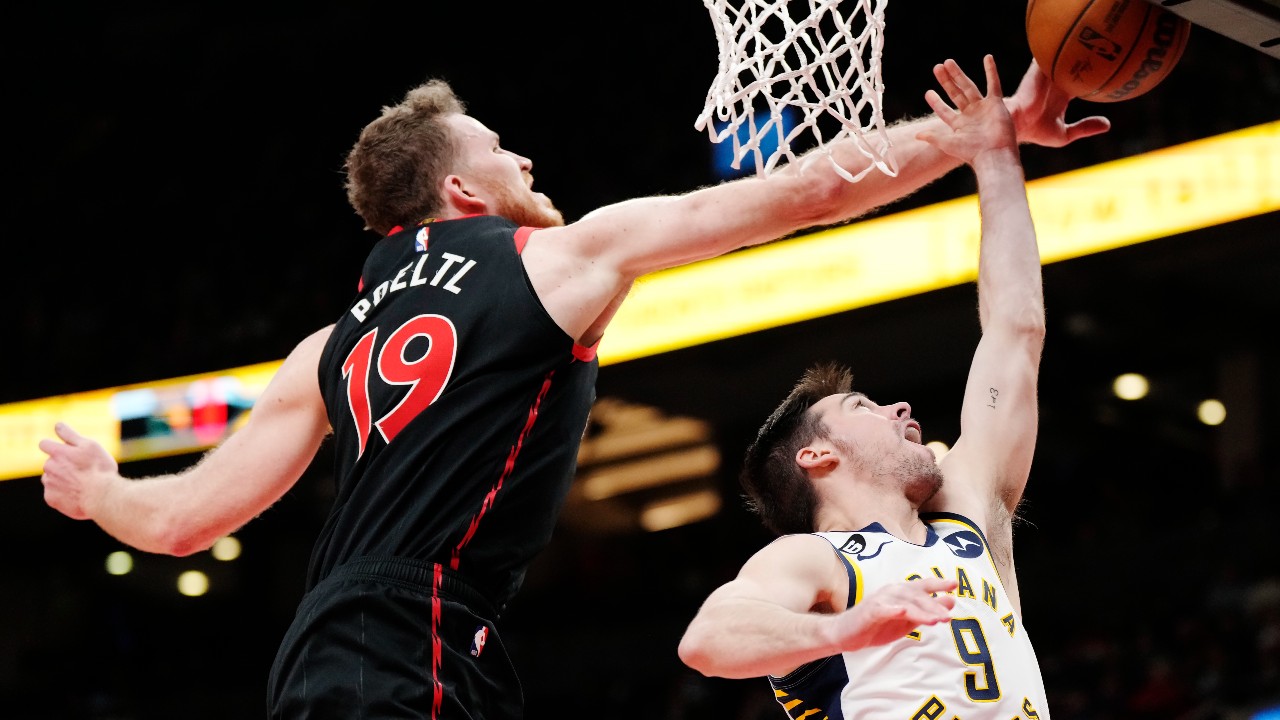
(821, 58)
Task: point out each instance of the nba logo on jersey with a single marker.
(477, 642)
(420, 240)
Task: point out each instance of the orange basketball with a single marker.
(1105, 50)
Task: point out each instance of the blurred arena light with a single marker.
(1130, 386)
(226, 549)
(119, 562)
(193, 583)
(1211, 412)
(681, 510)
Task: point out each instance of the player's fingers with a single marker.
(966, 90)
(939, 106)
(1045, 94)
(69, 436)
(937, 585)
(943, 75)
(928, 610)
(993, 77)
(49, 447)
(1094, 125)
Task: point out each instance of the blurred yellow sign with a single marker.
(135, 422)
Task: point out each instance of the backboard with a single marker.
(1255, 23)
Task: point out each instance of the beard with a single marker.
(921, 478)
(917, 477)
(527, 209)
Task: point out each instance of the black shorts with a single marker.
(393, 638)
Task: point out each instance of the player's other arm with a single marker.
(786, 608)
(650, 234)
(186, 512)
(581, 271)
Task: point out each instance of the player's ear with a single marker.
(459, 194)
(812, 457)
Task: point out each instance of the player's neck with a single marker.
(857, 510)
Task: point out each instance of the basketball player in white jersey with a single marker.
(891, 593)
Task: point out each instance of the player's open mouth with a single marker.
(913, 432)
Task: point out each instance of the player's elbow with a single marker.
(1024, 320)
(173, 537)
(808, 195)
(184, 546)
(826, 197)
(695, 651)
(1030, 327)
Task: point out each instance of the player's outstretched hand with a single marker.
(895, 610)
(77, 472)
(978, 122)
(1039, 111)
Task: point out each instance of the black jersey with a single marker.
(457, 404)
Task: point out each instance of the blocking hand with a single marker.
(1039, 111)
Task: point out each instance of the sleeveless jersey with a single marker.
(457, 406)
(980, 666)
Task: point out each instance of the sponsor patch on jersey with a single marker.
(477, 642)
(965, 544)
(420, 240)
(856, 544)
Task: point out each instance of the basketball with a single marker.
(1105, 50)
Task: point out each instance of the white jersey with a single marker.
(980, 666)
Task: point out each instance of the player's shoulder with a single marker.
(812, 550)
(804, 558)
(311, 347)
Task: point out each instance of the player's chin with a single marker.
(554, 218)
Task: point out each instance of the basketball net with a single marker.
(825, 65)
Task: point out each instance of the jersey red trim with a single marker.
(506, 472)
(400, 228)
(584, 353)
(522, 237)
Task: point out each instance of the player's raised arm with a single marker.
(988, 468)
(186, 512)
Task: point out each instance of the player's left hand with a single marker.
(892, 611)
(978, 122)
(1039, 111)
(77, 472)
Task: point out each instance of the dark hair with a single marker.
(778, 489)
(396, 166)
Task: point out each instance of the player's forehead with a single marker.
(467, 128)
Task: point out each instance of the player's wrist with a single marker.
(996, 158)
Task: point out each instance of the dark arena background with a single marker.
(176, 208)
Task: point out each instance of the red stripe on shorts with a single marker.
(437, 687)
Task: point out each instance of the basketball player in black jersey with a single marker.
(455, 390)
